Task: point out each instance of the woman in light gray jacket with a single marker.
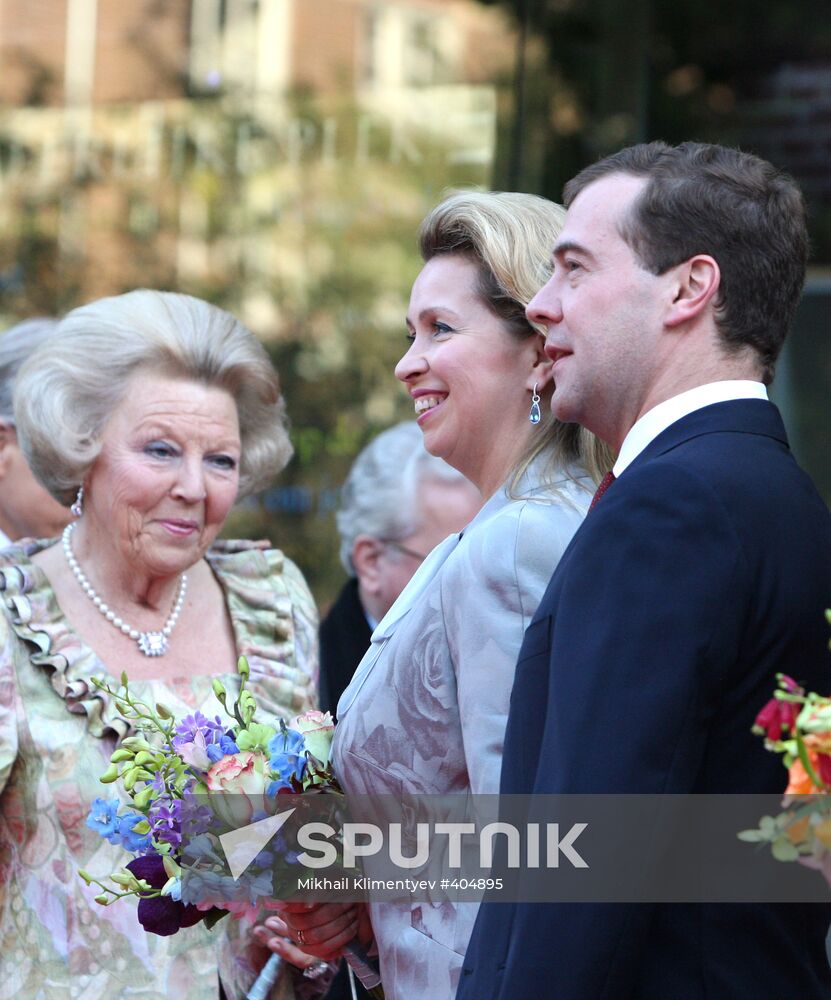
(427, 708)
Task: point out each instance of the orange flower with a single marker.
(799, 783)
(797, 832)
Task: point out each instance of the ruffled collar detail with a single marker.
(251, 577)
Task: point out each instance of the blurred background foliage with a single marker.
(277, 156)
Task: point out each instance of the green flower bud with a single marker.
(172, 869)
(129, 776)
(124, 680)
(121, 755)
(163, 711)
(219, 689)
(124, 879)
(103, 899)
(85, 875)
(242, 668)
(137, 743)
(110, 775)
(144, 757)
(142, 798)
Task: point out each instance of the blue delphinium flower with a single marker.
(288, 759)
(281, 847)
(224, 747)
(130, 840)
(199, 850)
(258, 886)
(103, 818)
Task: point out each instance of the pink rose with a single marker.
(243, 779)
(317, 729)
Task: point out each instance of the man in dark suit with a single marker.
(702, 571)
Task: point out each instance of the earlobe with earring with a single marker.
(534, 415)
(77, 508)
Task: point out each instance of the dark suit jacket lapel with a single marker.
(740, 416)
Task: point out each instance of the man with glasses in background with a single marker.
(398, 503)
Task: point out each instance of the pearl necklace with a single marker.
(150, 643)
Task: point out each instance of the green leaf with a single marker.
(142, 800)
(751, 836)
(767, 825)
(783, 850)
(806, 761)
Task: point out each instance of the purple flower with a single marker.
(161, 915)
(192, 724)
(196, 735)
(165, 818)
(103, 818)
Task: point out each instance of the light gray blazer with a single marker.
(427, 708)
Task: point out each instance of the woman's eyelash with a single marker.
(159, 449)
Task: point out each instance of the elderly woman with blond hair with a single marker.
(152, 413)
(427, 709)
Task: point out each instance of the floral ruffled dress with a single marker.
(56, 736)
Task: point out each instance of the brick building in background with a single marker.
(158, 141)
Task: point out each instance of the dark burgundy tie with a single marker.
(605, 483)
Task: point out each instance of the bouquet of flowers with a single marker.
(797, 725)
(194, 787)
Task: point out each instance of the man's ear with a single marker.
(8, 440)
(541, 365)
(697, 283)
(366, 552)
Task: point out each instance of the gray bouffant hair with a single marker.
(16, 344)
(380, 495)
(509, 237)
(70, 386)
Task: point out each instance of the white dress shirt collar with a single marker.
(656, 420)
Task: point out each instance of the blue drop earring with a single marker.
(534, 416)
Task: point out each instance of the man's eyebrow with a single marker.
(569, 246)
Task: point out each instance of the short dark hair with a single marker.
(733, 206)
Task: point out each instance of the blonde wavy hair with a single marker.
(509, 237)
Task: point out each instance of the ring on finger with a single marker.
(300, 939)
